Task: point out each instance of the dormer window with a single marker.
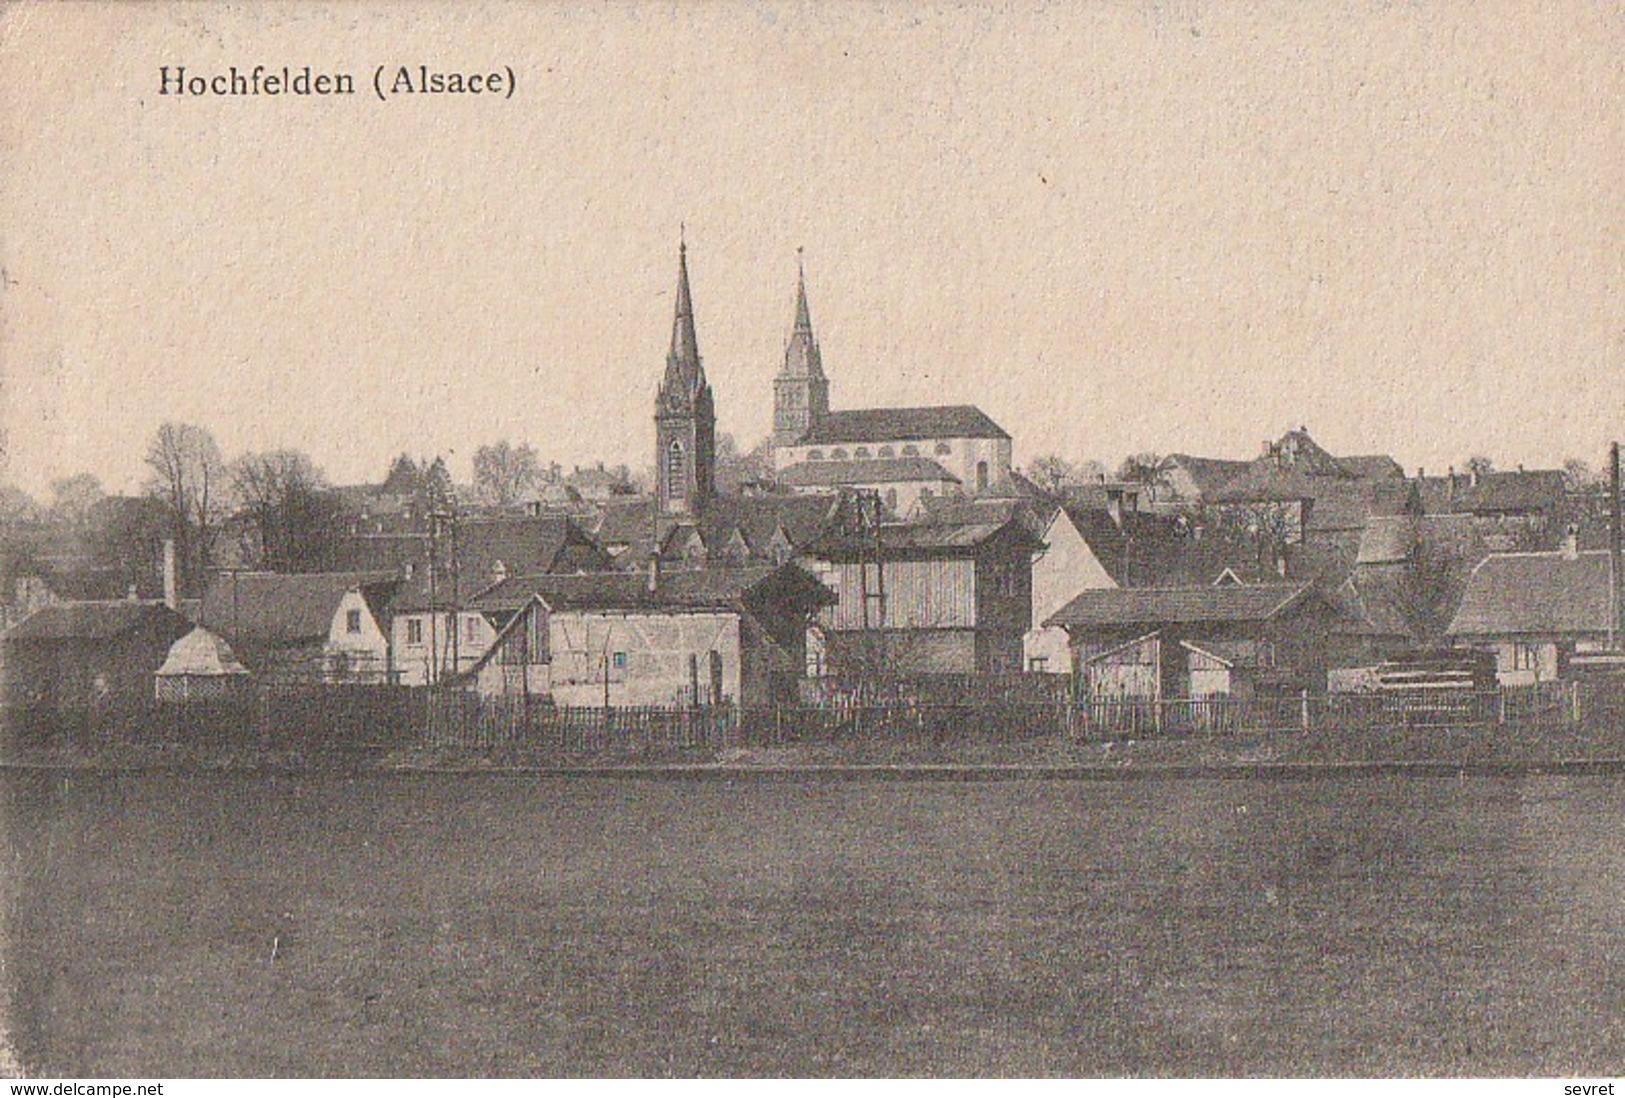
(861, 453)
(943, 449)
(887, 451)
(815, 455)
(837, 454)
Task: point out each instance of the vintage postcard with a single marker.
(783, 539)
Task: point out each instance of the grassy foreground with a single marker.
(232, 924)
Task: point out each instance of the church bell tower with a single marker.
(801, 391)
(685, 415)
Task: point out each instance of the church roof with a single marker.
(828, 474)
(902, 425)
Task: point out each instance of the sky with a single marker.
(1170, 226)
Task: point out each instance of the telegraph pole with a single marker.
(1616, 574)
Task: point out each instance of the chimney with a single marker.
(1571, 543)
(1421, 473)
(1114, 506)
(654, 573)
(170, 599)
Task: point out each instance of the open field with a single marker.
(180, 925)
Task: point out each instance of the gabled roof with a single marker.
(902, 424)
(1209, 474)
(1122, 607)
(821, 474)
(268, 609)
(675, 590)
(1147, 550)
(1373, 467)
(929, 537)
(466, 562)
(1510, 492)
(98, 620)
(1511, 594)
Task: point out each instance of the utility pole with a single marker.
(1616, 576)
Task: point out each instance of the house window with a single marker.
(1526, 657)
(352, 621)
(1038, 664)
(619, 661)
(891, 498)
(471, 628)
(981, 476)
(414, 630)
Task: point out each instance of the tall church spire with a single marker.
(685, 414)
(803, 318)
(801, 391)
(683, 361)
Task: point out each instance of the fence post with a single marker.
(1574, 700)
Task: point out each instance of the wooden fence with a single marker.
(373, 721)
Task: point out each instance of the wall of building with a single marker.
(648, 656)
(960, 456)
(359, 656)
(920, 594)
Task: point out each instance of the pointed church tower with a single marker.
(685, 414)
(801, 391)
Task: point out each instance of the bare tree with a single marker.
(1141, 469)
(187, 475)
(505, 474)
(735, 467)
(73, 499)
(293, 517)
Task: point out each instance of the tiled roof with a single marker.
(902, 424)
(1209, 474)
(1156, 606)
(820, 474)
(1373, 467)
(675, 590)
(275, 608)
(1516, 491)
(1387, 539)
(521, 545)
(929, 536)
(98, 620)
(1159, 551)
(1534, 593)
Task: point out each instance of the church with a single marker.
(905, 454)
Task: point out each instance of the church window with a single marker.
(981, 476)
(861, 452)
(837, 454)
(887, 451)
(815, 455)
(911, 450)
(676, 469)
(944, 449)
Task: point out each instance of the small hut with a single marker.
(201, 666)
